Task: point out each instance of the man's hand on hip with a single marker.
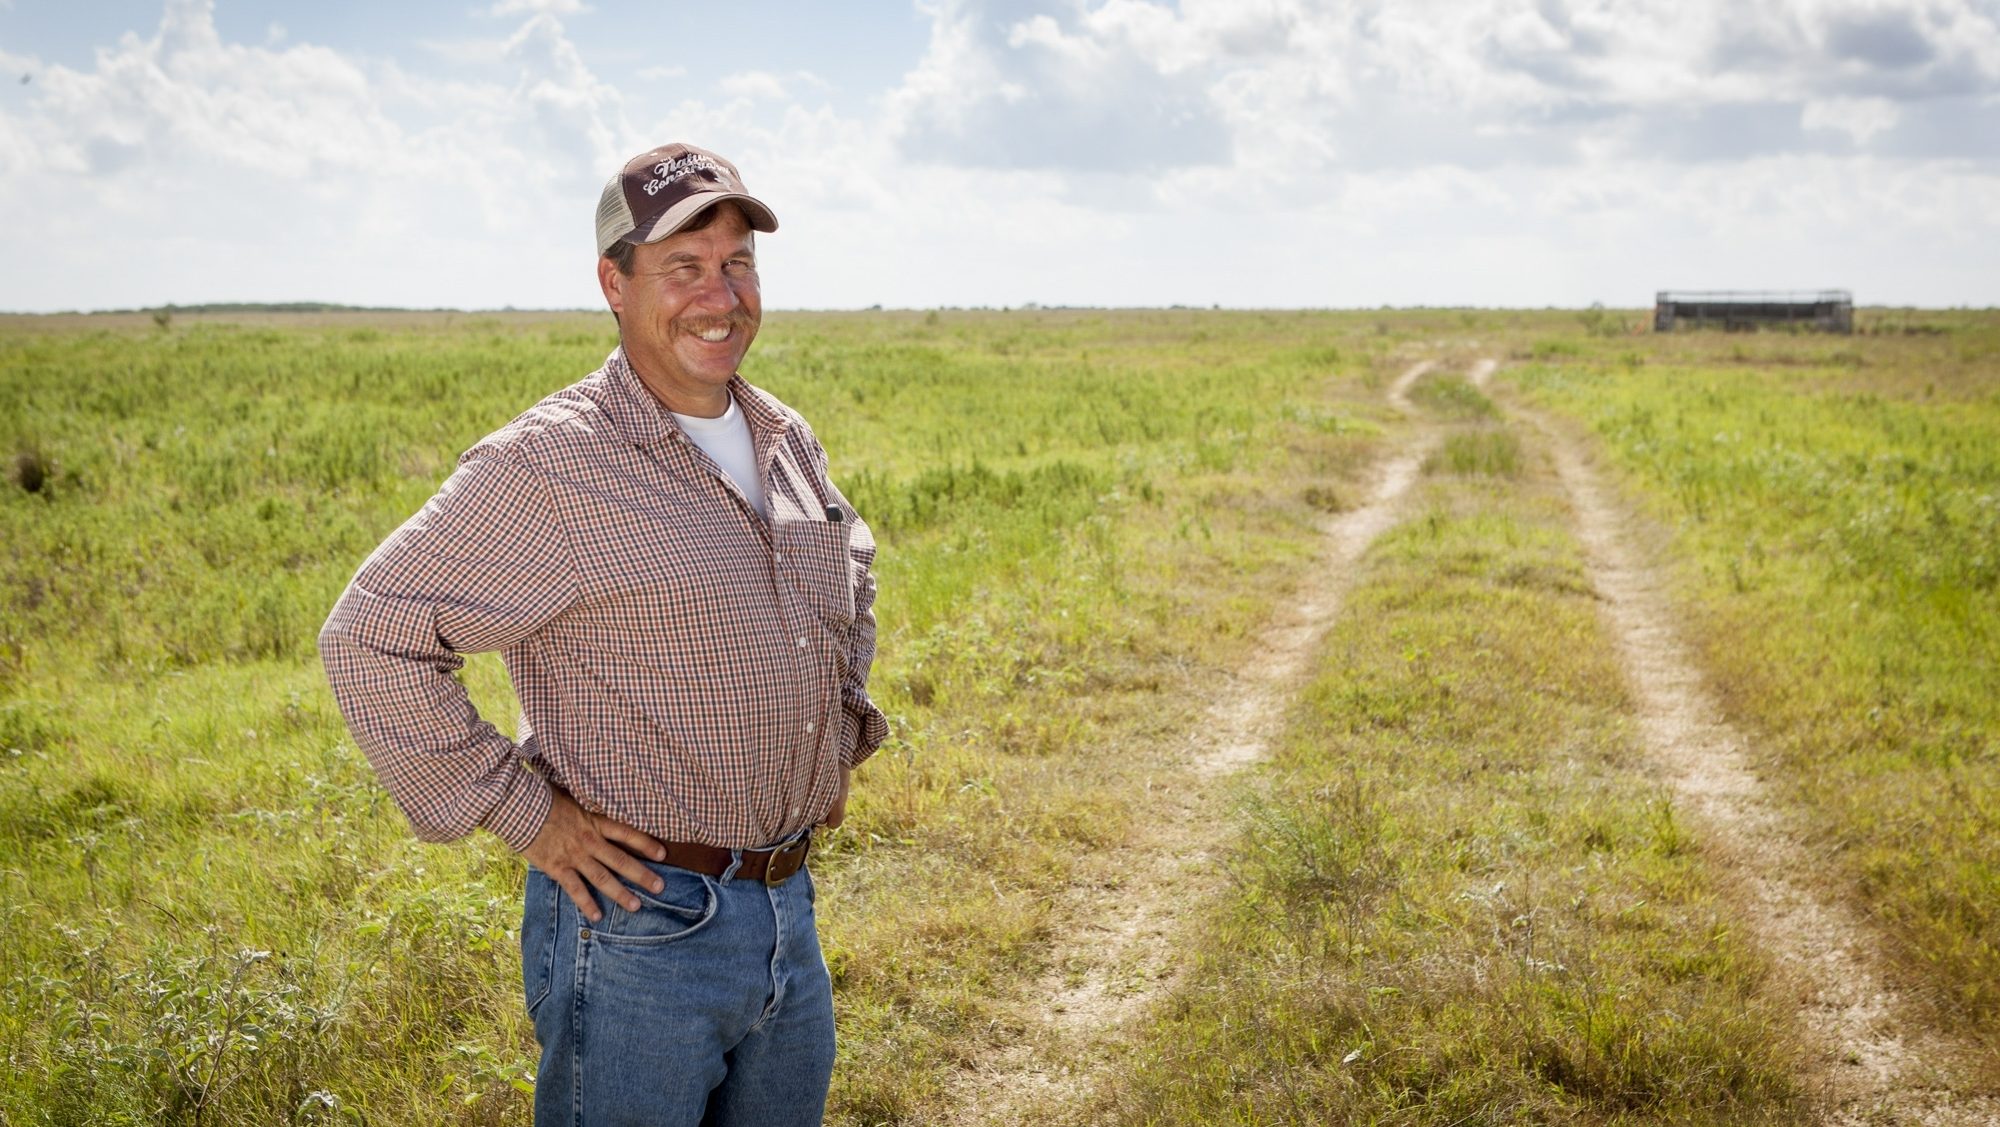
(837, 813)
(575, 846)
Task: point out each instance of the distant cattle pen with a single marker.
(1826, 311)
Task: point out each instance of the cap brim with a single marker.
(674, 218)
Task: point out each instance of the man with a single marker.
(683, 602)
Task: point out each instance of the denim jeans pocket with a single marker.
(686, 905)
(538, 938)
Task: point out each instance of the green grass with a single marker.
(1489, 450)
(210, 913)
(1479, 445)
(1456, 898)
(1835, 508)
(1448, 395)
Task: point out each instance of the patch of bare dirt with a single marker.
(1875, 1066)
(1129, 906)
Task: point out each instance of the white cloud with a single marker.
(1607, 139)
(1858, 118)
(1141, 86)
(1003, 86)
(182, 167)
(576, 115)
(1248, 152)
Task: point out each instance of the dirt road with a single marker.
(1105, 972)
(1875, 1065)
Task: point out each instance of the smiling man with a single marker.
(682, 599)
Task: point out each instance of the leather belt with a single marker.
(768, 866)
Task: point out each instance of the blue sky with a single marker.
(996, 152)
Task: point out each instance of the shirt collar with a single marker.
(644, 422)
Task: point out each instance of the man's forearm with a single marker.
(449, 770)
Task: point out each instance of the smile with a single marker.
(715, 335)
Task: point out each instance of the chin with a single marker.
(715, 372)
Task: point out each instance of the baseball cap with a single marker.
(659, 190)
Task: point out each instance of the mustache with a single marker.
(736, 319)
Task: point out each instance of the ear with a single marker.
(612, 283)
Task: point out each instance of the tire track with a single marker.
(1121, 955)
(1875, 1066)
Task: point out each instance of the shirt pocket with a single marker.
(818, 565)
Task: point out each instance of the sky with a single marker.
(1241, 153)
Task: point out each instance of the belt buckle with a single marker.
(795, 848)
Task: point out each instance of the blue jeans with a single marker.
(709, 1006)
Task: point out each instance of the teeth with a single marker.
(715, 335)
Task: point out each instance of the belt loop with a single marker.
(735, 863)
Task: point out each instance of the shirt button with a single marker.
(802, 643)
(811, 727)
(777, 557)
(796, 811)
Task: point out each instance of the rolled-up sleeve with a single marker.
(485, 564)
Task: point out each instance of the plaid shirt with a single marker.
(683, 665)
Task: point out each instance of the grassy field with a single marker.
(1834, 505)
(1458, 898)
(209, 913)
(212, 914)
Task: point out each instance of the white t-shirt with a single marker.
(727, 443)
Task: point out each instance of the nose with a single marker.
(717, 294)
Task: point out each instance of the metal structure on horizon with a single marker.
(1826, 311)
